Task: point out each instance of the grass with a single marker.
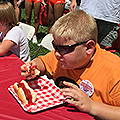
(42, 31)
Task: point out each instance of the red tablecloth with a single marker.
(11, 110)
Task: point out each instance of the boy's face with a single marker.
(72, 59)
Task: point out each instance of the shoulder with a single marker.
(16, 29)
(107, 58)
(49, 56)
(16, 32)
(49, 59)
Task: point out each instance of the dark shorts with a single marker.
(107, 32)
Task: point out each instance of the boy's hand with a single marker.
(81, 100)
(29, 70)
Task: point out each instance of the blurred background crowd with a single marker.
(43, 13)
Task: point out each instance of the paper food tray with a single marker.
(48, 95)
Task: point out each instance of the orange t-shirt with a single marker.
(103, 72)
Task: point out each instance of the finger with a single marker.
(25, 74)
(72, 102)
(72, 93)
(75, 7)
(70, 7)
(71, 85)
(69, 94)
(34, 66)
(23, 67)
(30, 77)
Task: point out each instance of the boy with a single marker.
(77, 58)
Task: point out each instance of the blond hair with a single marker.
(7, 14)
(75, 25)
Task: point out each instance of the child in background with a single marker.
(78, 58)
(55, 9)
(17, 5)
(28, 10)
(14, 39)
(18, 9)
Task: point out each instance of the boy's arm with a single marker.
(104, 111)
(86, 104)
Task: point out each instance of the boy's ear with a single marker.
(90, 47)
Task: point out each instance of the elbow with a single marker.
(2, 53)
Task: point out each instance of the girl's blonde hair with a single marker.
(75, 25)
(7, 14)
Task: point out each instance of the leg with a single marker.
(18, 13)
(37, 7)
(50, 16)
(28, 11)
(107, 33)
(36, 17)
(58, 10)
(14, 3)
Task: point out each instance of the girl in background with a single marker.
(55, 9)
(14, 39)
(28, 10)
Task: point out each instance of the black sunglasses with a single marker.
(64, 49)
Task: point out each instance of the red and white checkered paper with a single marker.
(48, 95)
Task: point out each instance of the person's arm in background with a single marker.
(18, 9)
(35, 62)
(73, 5)
(5, 46)
(15, 3)
(43, 3)
(19, 2)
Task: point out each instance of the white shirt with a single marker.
(21, 47)
(108, 10)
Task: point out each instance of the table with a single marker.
(11, 110)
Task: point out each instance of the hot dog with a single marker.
(24, 92)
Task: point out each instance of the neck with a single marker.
(83, 66)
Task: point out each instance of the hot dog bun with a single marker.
(25, 93)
